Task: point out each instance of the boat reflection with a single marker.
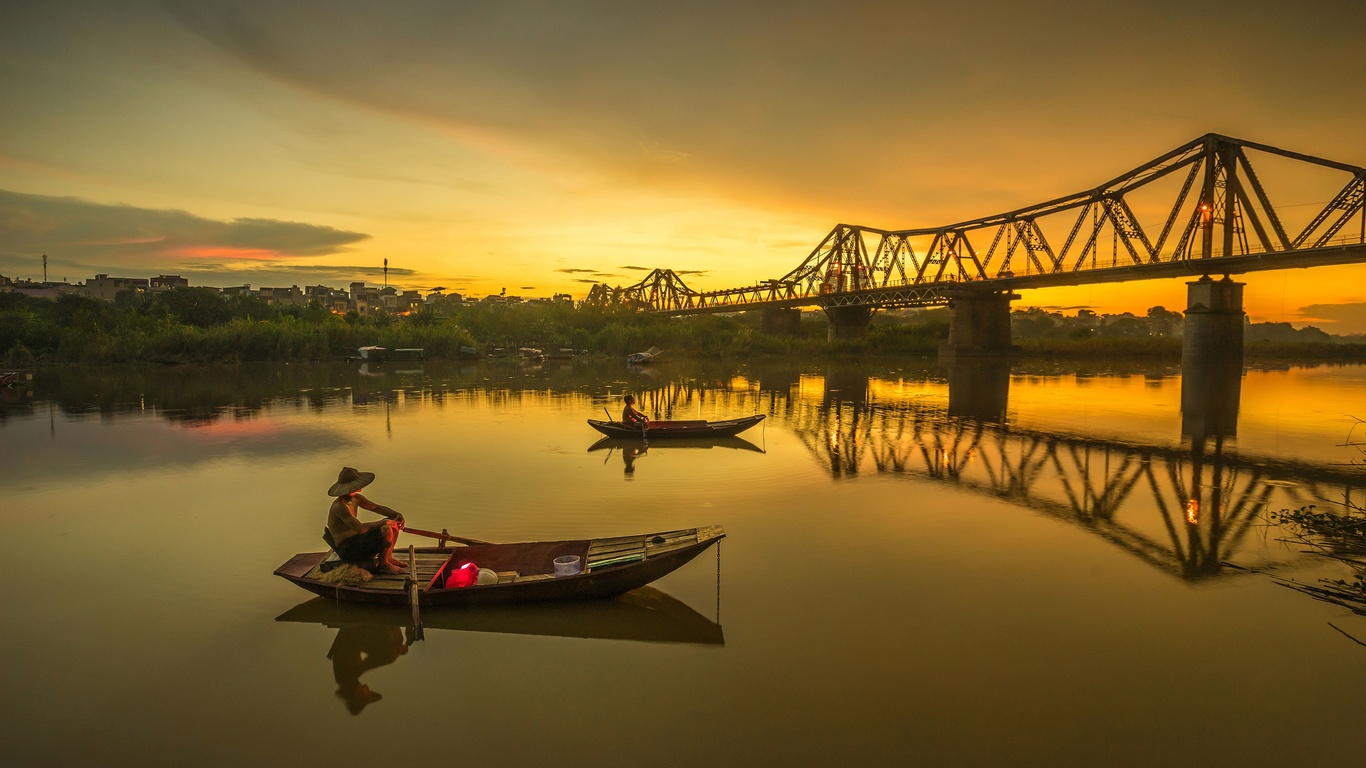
(643, 615)
(626, 443)
(369, 636)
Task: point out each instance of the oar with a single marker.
(609, 415)
(443, 537)
(410, 584)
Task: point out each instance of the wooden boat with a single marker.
(648, 356)
(642, 615)
(526, 570)
(672, 429)
(376, 354)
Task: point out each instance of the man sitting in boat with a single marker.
(633, 418)
(356, 542)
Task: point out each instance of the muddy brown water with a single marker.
(923, 564)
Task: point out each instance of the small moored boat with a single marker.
(648, 356)
(669, 429)
(526, 571)
(374, 354)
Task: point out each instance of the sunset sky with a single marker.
(541, 147)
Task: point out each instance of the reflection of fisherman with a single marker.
(629, 456)
(630, 417)
(358, 650)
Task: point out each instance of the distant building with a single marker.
(167, 282)
(365, 299)
(106, 287)
(44, 290)
(283, 296)
(358, 297)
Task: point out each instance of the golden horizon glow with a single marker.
(480, 153)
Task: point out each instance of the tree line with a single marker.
(199, 325)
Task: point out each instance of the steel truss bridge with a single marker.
(1200, 209)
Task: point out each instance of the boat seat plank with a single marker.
(632, 546)
(617, 540)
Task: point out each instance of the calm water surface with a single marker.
(953, 567)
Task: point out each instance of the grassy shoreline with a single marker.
(183, 327)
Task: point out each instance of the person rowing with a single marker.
(356, 542)
(633, 418)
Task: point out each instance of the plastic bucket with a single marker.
(567, 565)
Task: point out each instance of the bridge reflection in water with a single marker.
(1184, 507)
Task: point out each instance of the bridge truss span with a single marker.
(1203, 208)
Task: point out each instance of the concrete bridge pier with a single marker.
(848, 322)
(778, 321)
(1212, 358)
(980, 326)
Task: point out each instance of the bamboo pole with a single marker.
(411, 584)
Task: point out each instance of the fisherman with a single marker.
(630, 417)
(357, 542)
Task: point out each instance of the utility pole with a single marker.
(386, 273)
(45, 268)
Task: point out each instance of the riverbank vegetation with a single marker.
(1338, 533)
(197, 325)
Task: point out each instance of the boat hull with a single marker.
(595, 583)
(678, 429)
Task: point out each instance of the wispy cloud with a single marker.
(1349, 317)
(125, 236)
(83, 238)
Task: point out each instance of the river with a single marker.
(952, 566)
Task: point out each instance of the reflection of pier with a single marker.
(1183, 509)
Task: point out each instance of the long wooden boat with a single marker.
(641, 615)
(669, 429)
(526, 570)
